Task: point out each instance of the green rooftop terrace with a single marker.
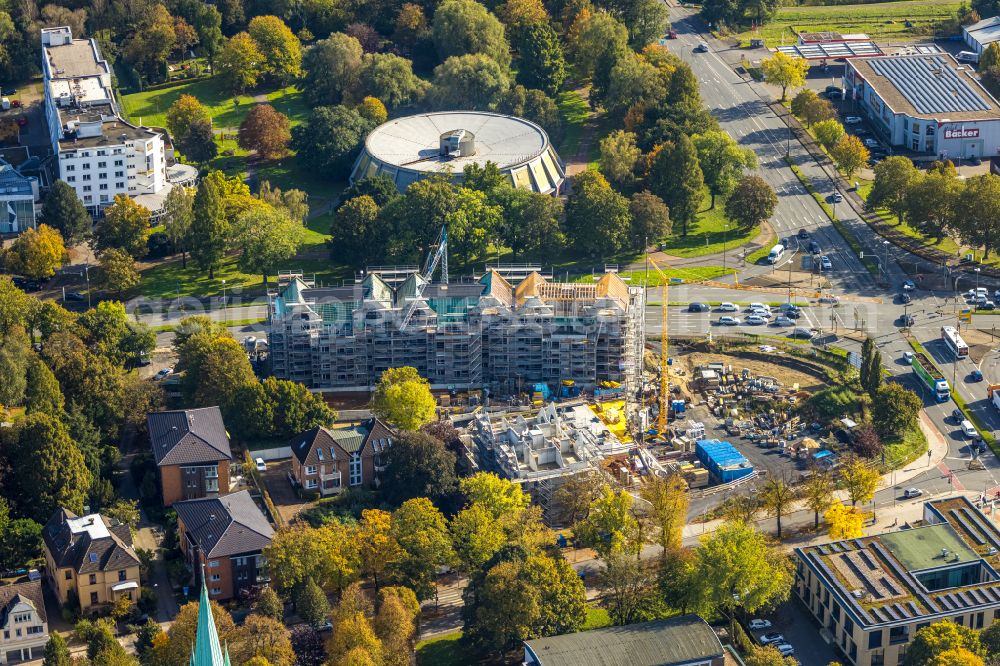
(921, 548)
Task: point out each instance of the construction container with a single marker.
(723, 460)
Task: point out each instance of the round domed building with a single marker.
(414, 147)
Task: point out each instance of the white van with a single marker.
(777, 252)
(967, 56)
(969, 430)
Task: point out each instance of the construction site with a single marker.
(497, 335)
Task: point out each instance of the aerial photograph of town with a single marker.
(499, 332)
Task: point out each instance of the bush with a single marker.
(147, 600)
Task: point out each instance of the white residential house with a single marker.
(24, 628)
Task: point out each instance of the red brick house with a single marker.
(328, 460)
(191, 449)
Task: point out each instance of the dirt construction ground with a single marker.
(786, 376)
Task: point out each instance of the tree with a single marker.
(353, 635)
(471, 222)
(263, 639)
(619, 157)
(895, 410)
(266, 131)
(676, 177)
(331, 68)
(722, 161)
(47, 469)
(125, 226)
(738, 568)
(328, 555)
(769, 656)
(199, 145)
(740, 508)
(931, 202)
(849, 154)
(373, 110)
(176, 650)
(118, 272)
(893, 177)
(209, 228)
(147, 49)
(817, 110)
(533, 105)
(240, 63)
(476, 537)
(463, 27)
(802, 100)
(817, 493)
(593, 37)
(63, 211)
(828, 133)
(389, 78)
(215, 370)
(956, 657)
(330, 138)
(598, 221)
(473, 81)
(669, 502)
(395, 624)
(421, 532)
(42, 392)
(418, 465)
(311, 603)
(358, 231)
(178, 211)
(990, 640)
(266, 238)
(293, 203)
(650, 217)
(932, 641)
(611, 526)
(859, 480)
(36, 253)
(785, 71)
(629, 590)
(751, 203)
(377, 547)
(403, 398)
(498, 496)
(976, 212)
(269, 604)
(183, 114)
(777, 497)
(56, 651)
(280, 47)
(845, 522)
(542, 64)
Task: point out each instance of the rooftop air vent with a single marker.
(457, 143)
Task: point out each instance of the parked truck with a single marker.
(993, 393)
(931, 377)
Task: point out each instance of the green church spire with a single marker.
(207, 651)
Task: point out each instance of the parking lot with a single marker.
(800, 630)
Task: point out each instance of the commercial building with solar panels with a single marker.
(927, 103)
(415, 147)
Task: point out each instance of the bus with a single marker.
(777, 252)
(954, 341)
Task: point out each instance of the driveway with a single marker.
(286, 501)
(800, 629)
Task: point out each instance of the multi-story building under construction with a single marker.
(467, 335)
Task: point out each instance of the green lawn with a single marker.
(443, 651)
(691, 274)
(151, 105)
(574, 111)
(597, 618)
(945, 244)
(881, 21)
(708, 235)
(902, 452)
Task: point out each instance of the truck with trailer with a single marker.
(931, 377)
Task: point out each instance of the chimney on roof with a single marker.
(944, 552)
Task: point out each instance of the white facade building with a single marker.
(926, 103)
(100, 154)
(24, 628)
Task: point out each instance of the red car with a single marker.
(22, 121)
(672, 34)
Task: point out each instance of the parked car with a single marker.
(759, 306)
(814, 248)
(985, 305)
(833, 90)
(852, 120)
(784, 320)
(729, 321)
(861, 131)
(163, 373)
(75, 296)
(698, 307)
(756, 320)
(906, 320)
(909, 285)
(260, 464)
(871, 143)
(772, 637)
(904, 297)
(793, 314)
(728, 307)
(756, 625)
(975, 161)
(912, 492)
(802, 332)
(785, 649)
(908, 357)
(672, 34)
(824, 263)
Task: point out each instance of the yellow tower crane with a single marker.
(661, 419)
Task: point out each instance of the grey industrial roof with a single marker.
(678, 640)
(828, 50)
(75, 59)
(413, 142)
(188, 437)
(929, 86)
(29, 591)
(985, 31)
(228, 525)
(82, 551)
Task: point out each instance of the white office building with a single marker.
(99, 153)
(926, 103)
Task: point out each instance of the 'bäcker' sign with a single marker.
(963, 133)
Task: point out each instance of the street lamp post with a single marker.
(223, 299)
(86, 271)
(885, 254)
(725, 238)
(976, 269)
